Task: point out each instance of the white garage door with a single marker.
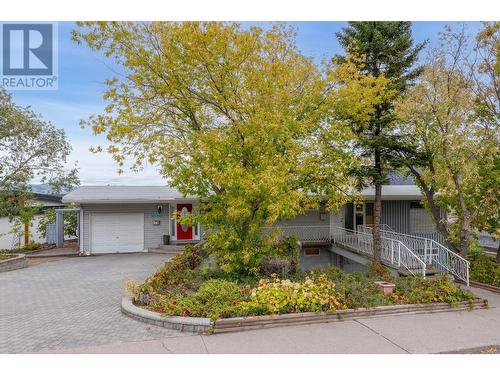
(117, 233)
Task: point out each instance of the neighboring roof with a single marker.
(122, 194)
(396, 179)
(48, 197)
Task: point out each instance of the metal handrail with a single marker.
(432, 252)
(394, 252)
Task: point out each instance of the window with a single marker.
(416, 205)
(311, 251)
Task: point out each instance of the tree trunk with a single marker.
(498, 253)
(465, 226)
(377, 212)
(435, 210)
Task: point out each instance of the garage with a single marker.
(116, 232)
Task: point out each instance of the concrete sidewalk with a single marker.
(423, 333)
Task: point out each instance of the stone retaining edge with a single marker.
(181, 323)
(270, 321)
(202, 325)
(491, 288)
(14, 263)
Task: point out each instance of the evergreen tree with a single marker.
(381, 49)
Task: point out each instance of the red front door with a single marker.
(184, 231)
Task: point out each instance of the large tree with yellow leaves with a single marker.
(225, 112)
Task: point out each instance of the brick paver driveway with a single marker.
(73, 303)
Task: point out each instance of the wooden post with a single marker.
(26, 234)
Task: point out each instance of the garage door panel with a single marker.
(117, 233)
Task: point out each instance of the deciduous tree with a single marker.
(226, 114)
(29, 148)
(452, 143)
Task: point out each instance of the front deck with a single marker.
(407, 254)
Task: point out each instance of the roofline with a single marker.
(48, 197)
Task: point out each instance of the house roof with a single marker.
(394, 192)
(396, 178)
(154, 194)
(122, 194)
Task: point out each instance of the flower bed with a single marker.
(184, 287)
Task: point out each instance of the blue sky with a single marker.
(81, 85)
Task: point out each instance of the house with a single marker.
(12, 237)
(122, 219)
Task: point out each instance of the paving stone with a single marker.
(74, 303)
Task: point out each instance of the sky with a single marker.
(81, 77)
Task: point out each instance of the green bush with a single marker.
(214, 299)
(284, 258)
(32, 246)
(280, 296)
(419, 290)
(484, 269)
(177, 276)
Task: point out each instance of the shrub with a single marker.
(32, 246)
(275, 266)
(484, 269)
(178, 275)
(419, 290)
(380, 272)
(214, 299)
(284, 258)
(359, 289)
(280, 296)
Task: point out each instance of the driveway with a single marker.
(73, 303)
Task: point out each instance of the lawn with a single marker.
(186, 286)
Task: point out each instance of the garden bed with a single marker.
(186, 287)
(224, 325)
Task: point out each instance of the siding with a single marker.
(396, 214)
(308, 262)
(309, 217)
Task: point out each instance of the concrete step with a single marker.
(429, 272)
(167, 249)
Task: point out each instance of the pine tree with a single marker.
(381, 49)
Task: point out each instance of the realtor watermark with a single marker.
(29, 59)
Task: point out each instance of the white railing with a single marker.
(318, 233)
(394, 252)
(431, 252)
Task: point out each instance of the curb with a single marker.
(181, 323)
(491, 288)
(37, 256)
(201, 325)
(14, 263)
